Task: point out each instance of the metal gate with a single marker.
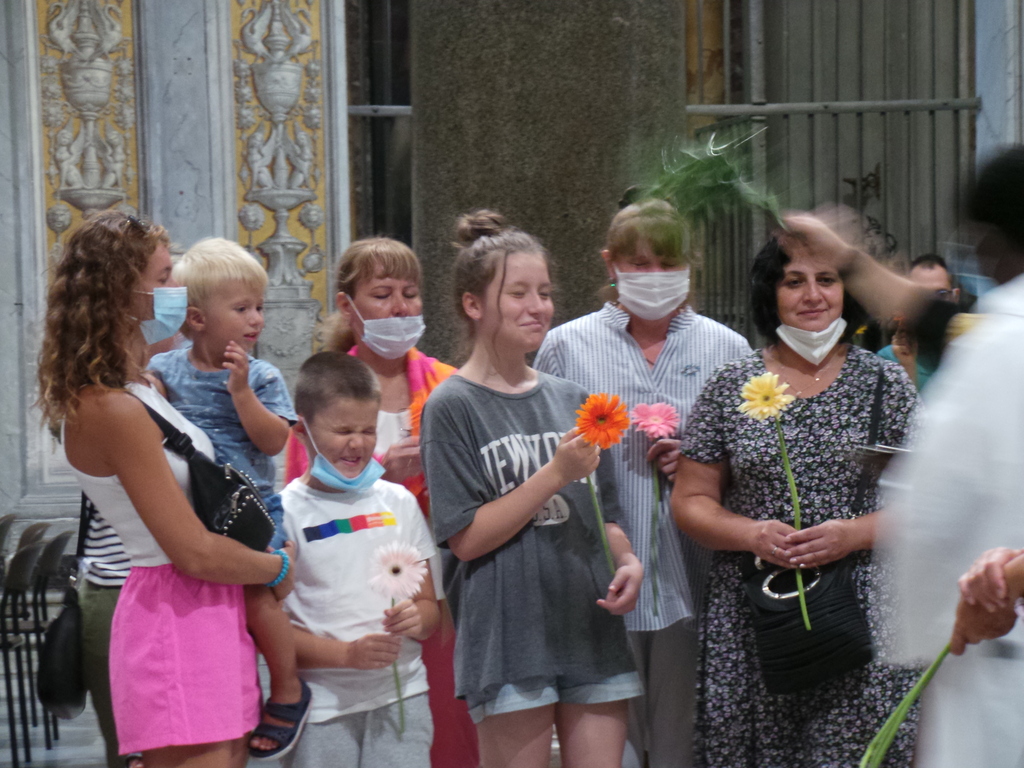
(869, 103)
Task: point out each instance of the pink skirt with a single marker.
(182, 665)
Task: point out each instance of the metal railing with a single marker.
(864, 103)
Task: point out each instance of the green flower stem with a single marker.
(398, 688)
(796, 519)
(655, 509)
(879, 746)
(401, 703)
(600, 525)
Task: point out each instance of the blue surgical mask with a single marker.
(326, 473)
(170, 306)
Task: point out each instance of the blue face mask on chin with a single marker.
(326, 473)
(170, 306)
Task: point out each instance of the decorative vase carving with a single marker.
(274, 94)
(88, 95)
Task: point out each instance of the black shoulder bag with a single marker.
(224, 499)
(60, 683)
(792, 658)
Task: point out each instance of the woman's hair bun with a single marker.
(480, 223)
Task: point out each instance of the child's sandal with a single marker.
(286, 736)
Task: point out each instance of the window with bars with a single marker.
(380, 118)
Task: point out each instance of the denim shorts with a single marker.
(276, 510)
(514, 697)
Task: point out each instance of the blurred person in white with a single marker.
(961, 492)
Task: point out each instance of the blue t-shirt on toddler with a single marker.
(202, 397)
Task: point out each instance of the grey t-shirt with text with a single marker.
(526, 612)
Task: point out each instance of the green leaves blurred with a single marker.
(706, 184)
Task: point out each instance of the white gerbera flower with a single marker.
(399, 571)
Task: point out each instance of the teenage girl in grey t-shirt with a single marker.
(540, 638)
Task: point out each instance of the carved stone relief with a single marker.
(87, 91)
(278, 120)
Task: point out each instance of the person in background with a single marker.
(648, 345)
(930, 272)
(106, 568)
(380, 320)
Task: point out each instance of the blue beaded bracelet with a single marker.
(285, 565)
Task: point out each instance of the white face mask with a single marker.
(653, 295)
(812, 346)
(391, 337)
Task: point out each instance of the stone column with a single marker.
(544, 111)
(186, 118)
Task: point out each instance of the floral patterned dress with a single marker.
(739, 724)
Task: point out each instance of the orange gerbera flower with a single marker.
(602, 420)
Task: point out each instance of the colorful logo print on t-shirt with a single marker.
(349, 525)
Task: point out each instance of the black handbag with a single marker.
(224, 498)
(791, 657)
(59, 681)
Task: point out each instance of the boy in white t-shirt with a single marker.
(347, 636)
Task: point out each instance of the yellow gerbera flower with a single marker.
(764, 397)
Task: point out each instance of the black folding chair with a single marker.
(14, 608)
(32, 534)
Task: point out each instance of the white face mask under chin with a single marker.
(812, 346)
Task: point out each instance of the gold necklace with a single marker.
(820, 375)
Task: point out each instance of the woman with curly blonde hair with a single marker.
(182, 666)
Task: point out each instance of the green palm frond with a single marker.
(707, 183)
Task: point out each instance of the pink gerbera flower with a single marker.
(657, 420)
(399, 571)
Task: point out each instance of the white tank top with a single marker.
(109, 495)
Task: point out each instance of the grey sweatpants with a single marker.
(368, 739)
(661, 721)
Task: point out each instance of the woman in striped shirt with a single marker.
(647, 345)
(105, 567)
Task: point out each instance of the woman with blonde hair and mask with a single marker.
(648, 345)
(379, 320)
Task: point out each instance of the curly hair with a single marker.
(88, 328)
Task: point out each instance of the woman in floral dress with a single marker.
(732, 496)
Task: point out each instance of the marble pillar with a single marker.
(186, 118)
(544, 111)
(20, 236)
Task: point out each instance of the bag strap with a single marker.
(873, 427)
(85, 514)
(876, 408)
(174, 438)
